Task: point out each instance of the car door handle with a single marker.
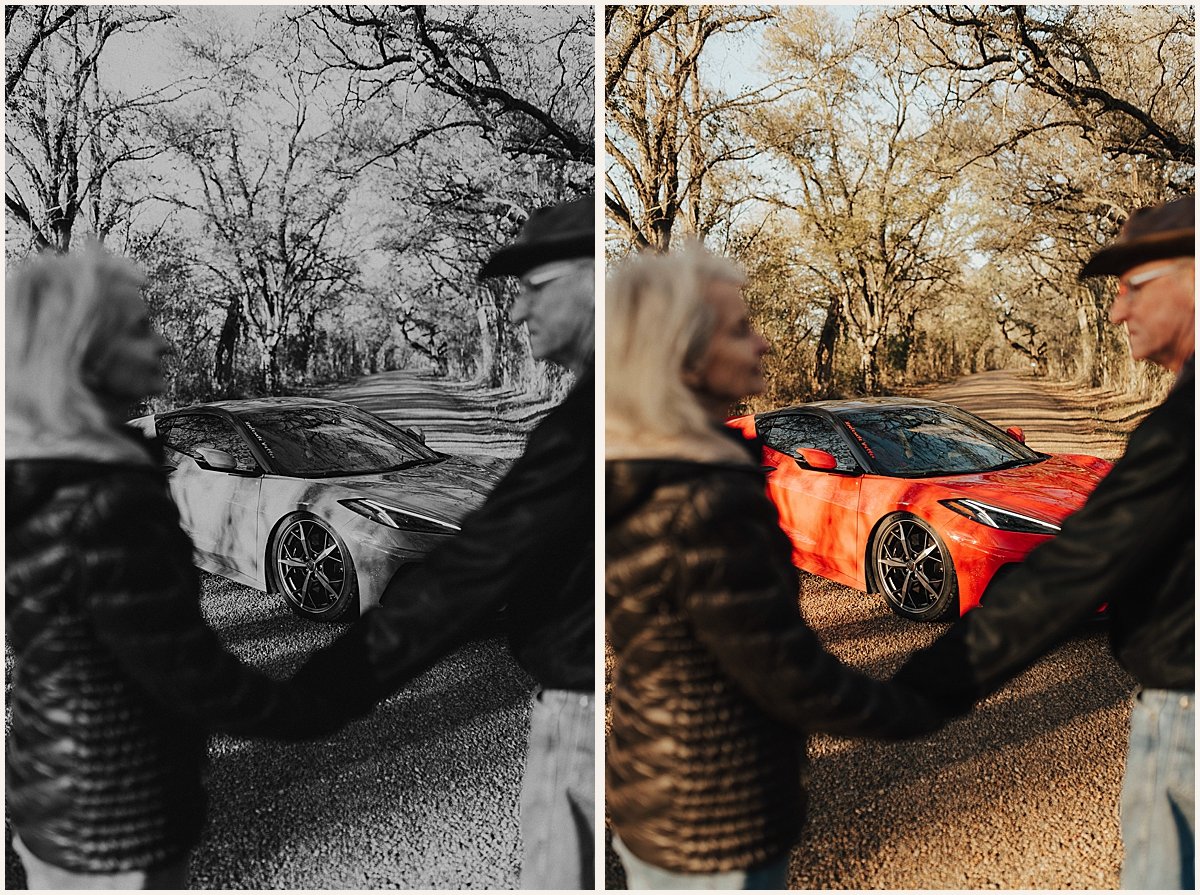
(768, 468)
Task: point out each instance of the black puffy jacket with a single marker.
(1132, 546)
(116, 676)
(717, 677)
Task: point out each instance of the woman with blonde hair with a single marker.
(116, 679)
(717, 678)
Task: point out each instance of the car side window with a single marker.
(187, 433)
(802, 430)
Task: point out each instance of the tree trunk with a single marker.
(226, 353)
(869, 365)
(488, 371)
(826, 343)
(269, 365)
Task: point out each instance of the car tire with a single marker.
(312, 570)
(913, 569)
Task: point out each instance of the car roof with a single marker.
(251, 405)
(849, 405)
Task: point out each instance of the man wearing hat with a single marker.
(529, 549)
(1131, 546)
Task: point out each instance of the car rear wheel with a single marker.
(913, 569)
(313, 570)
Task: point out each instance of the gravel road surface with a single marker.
(1023, 792)
(422, 793)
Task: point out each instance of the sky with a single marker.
(136, 63)
(734, 60)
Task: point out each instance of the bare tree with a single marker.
(270, 194)
(40, 24)
(68, 138)
(524, 84)
(669, 133)
(331, 179)
(925, 190)
(1125, 78)
(473, 117)
(1079, 116)
(875, 201)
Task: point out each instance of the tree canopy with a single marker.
(327, 180)
(916, 188)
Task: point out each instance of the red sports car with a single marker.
(919, 500)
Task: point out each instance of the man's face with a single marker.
(1156, 301)
(556, 303)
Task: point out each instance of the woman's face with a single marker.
(731, 366)
(130, 366)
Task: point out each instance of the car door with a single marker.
(218, 509)
(818, 509)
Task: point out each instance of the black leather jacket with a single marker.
(116, 676)
(529, 548)
(1131, 546)
(716, 678)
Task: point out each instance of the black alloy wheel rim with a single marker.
(311, 569)
(911, 569)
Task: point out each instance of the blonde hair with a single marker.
(57, 326)
(658, 323)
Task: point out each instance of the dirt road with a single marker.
(1057, 418)
(458, 418)
(1022, 793)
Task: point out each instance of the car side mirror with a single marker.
(1016, 432)
(813, 458)
(415, 432)
(215, 460)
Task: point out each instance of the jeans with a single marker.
(558, 793)
(40, 875)
(641, 875)
(1158, 796)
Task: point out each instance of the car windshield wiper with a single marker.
(333, 473)
(1011, 464)
(417, 461)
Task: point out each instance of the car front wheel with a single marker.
(313, 570)
(913, 569)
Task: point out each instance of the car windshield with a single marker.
(915, 442)
(314, 442)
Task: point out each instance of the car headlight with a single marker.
(394, 517)
(998, 517)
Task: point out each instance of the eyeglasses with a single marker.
(1128, 287)
(545, 274)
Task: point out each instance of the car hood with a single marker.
(449, 490)
(1052, 489)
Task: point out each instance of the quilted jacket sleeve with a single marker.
(738, 588)
(142, 594)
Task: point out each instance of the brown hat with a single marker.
(1161, 231)
(553, 233)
